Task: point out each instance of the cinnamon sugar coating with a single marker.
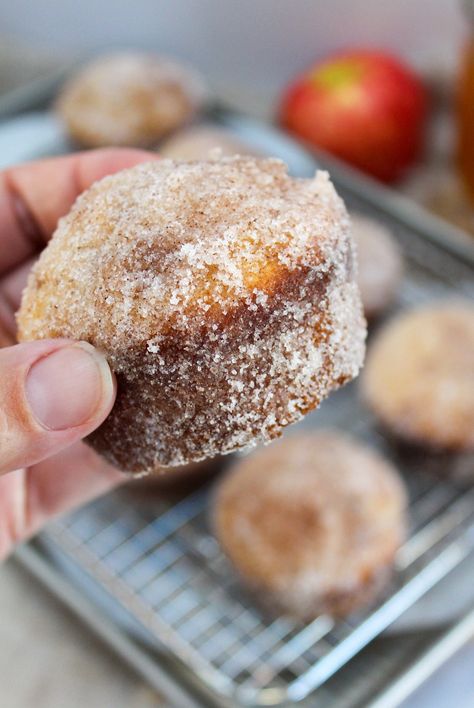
(223, 294)
(129, 99)
(312, 523)
(419, 376)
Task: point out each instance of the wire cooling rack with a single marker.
(158, 558)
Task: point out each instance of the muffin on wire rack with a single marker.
(380, 264)
(312, 523)
(199, 142)
(129, 99)
(419, 376)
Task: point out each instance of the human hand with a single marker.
(52, 392)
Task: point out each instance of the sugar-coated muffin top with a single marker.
(166, 244)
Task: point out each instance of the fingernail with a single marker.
(66, 388)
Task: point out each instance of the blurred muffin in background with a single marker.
(129, 99)
(419, 376)
(197, 143)
(312, 523)
(380, 264)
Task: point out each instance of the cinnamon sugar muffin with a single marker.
(197, 142)
(223, 294)
(312, 523)
(379, 262)
(419, 376)
(129, 99)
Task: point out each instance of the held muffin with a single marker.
(312, 523)
(223, 294)
(129, 99)
(419, 376)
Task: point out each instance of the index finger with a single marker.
(35, 195)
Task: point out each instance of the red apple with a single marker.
(364, 107)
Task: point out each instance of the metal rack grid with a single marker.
(160, 560)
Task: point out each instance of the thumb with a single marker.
(52, 393)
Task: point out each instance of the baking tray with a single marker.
(381, 676)
(157, 564)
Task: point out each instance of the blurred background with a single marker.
(260, 46)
